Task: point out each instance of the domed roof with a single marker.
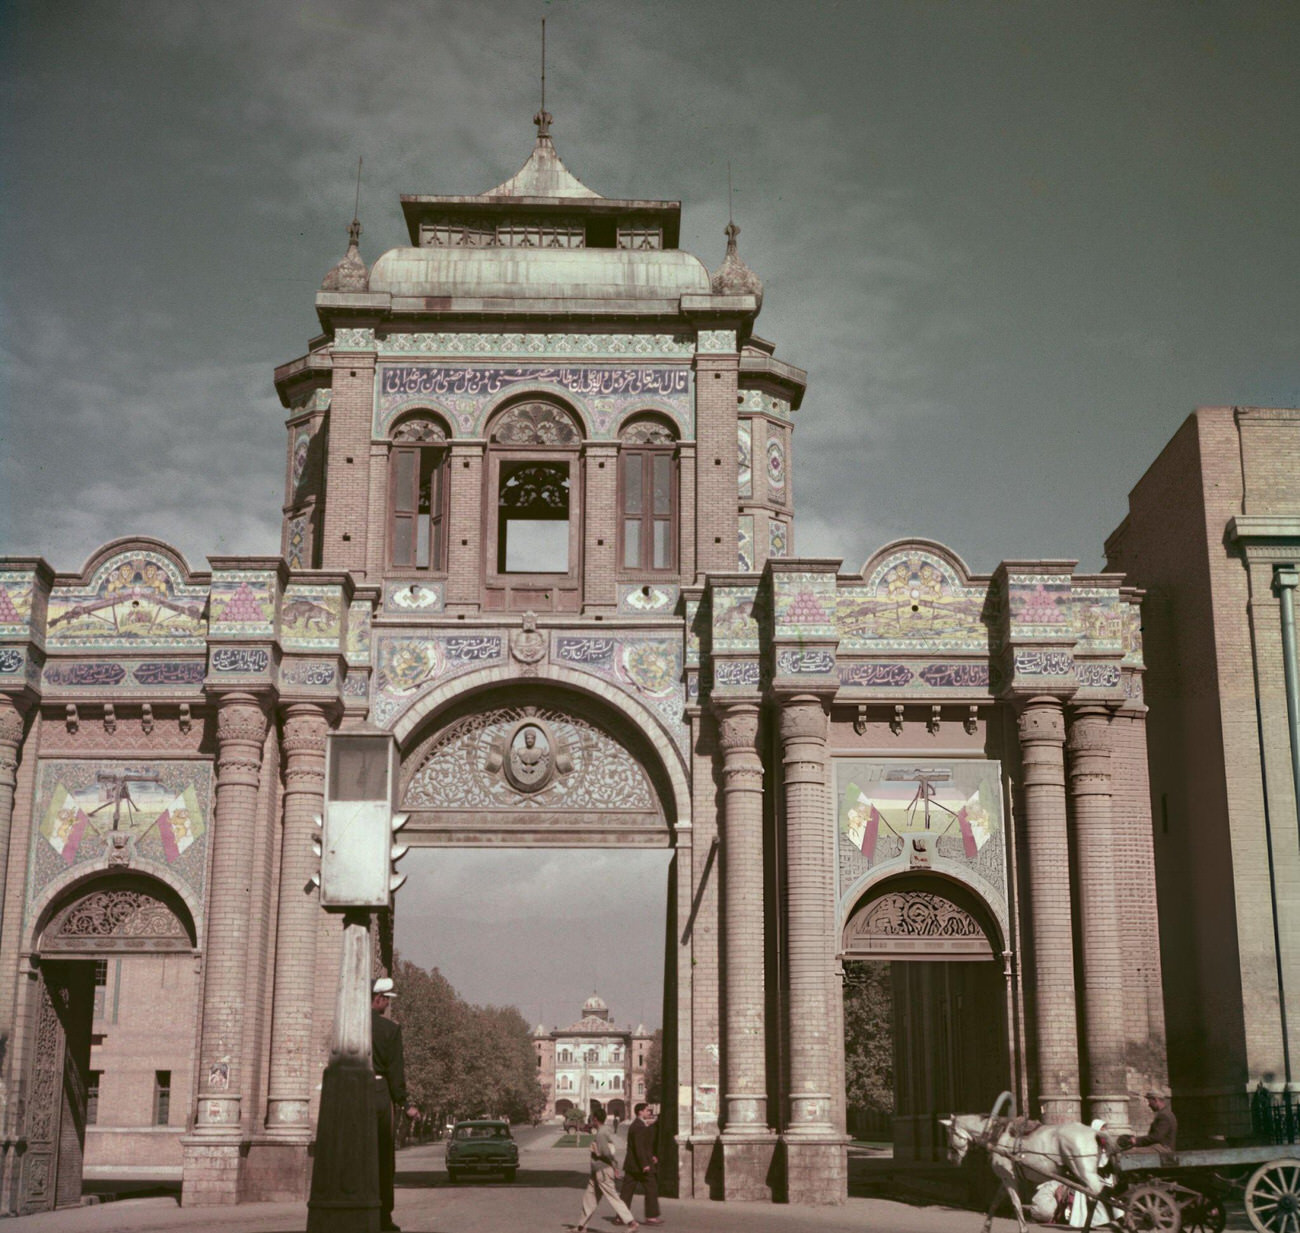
(595, 1002)
(543, 174)
(733, 276)
(540, 1030)
(540, 273)
(350, 273)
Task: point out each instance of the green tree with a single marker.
(869, 1038)
(654, 1068)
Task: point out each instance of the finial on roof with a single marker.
(543, 117)
(733, 276)
(350, 274)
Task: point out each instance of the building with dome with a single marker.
(592, 1060)
(539, 525)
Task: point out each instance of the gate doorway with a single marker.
(922, 962)
(108, 920)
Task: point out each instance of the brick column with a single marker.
(1042, 737)
(748, 1141)
(293, 1059)
(211, 1172)
(600, 523)
(717, 467)
(11, 740)
(816, 1160)
(1103, 973)
(465, 527)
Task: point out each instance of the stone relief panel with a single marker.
(916, 923)
(134, 600)
(146, 814)
(413, 598)
(649, 598)
(907, 815)
(603, 394)
(126, 918)
(646, 346)
(532, 758)
(915, 600)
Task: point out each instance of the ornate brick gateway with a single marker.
(539, 523)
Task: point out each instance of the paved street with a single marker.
(546, 1195)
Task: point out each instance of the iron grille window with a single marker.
(92, 1096)
(162, 1097)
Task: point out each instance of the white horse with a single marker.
(1022, 1150)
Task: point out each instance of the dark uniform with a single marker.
(1163, 1132)
(390, 1094)
(640, 1168)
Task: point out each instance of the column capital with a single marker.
(737, 726)
(1042, 721)
(241, 730)
(803, 717)
(13, 716)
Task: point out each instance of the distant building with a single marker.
(1213, 538)
(613, 1060)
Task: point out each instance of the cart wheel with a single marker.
(1204, 1214)
(1273, 1197)
(1151, 1209)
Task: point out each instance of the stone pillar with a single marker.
(292, 1071)
(1042, 737)
(212, 1152)
(11, 740)
(816, 1160)
(1103, 973)
(600, 551)
(747, 1140)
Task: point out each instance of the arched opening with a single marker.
(923, 963)
(109, 1073)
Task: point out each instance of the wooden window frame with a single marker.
(647, 454)
(438, 518)
(497, 456)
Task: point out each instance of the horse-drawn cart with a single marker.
(1169, 1192)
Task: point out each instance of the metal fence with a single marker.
(1275, 1116)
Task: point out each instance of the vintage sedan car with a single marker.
(481, 1147)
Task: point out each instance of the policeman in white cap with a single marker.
(389, 1089)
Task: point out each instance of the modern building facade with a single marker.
(1213, 539)
(591, 1060)
(539, 525)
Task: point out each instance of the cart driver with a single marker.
(1163, 1133)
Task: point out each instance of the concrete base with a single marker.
(276, 1170)
(816, 1169)
(747, 1173)
(211, 1171)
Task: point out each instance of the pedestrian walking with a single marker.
(641, 1164)
(389, 1091)
(604, 1173)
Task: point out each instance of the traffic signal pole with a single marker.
(345, 1174)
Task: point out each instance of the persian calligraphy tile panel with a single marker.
(135, 599)
(311, 617)
(357, 684)
(157, 677)
(16, 593)
(313, 675)
(484, 761)
(745, 441)
(603, 394)
(13, 661)
(413, 598)
(805, 604)
(541, 346)
(408, 665)
(735, 626)
(736, 674)
(745, 543)
(152, 815)
(359, 627)
(975, 676)
(764, 403)
(1044, 663)
(914, 600)
(1093, 675)
(254, 664)
(812, 661)
(909, 815)
(650, 669)
(243, 604)
(647, 599)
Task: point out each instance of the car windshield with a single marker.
(493, 1130)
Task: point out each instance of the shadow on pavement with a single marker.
(534, 1179)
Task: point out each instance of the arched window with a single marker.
(648, 497)
(534, 464)
(417, 496)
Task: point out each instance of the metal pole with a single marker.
(1285, 578)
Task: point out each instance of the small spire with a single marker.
(543, 117)
(350, 274)
(731, 231)
(733, 276)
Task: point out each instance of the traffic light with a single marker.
(396, 852)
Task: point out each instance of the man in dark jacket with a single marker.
(1163, 1133)
(641, 1165)
(389, 1091)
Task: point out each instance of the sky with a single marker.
(1014, 245)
